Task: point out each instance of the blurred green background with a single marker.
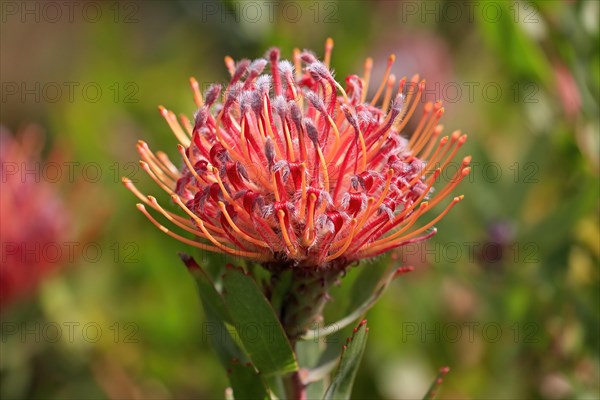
(506, 294)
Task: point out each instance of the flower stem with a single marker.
(294, 388)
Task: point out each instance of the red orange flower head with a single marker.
(284, 163)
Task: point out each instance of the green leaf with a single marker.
(206, 288)
(257, 325)
(341, 386)
(436, 383)
(217, 326)
(246, 382)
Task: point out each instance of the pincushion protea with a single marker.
(293, 171)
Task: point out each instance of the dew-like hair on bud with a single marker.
(366, 117)
(384, 208)
(286, 68)
(269, 151)
(292, 209)
(398, 103)
(324, 224)
(419, 188)
(200, 118)
(257, 66)
(308, 56)
(319, 71)
(263, 84)
(240, 69)
(315, 100)
(416, 166)
(212, 94)
(234, 93)
(256, 101)
(325, 197)
(346, 201)
(400, 166)
(296, 113)
(280, 105)
(352, 120)
(241, 170)
(266, 210)
(284, 167)
(356, 181)
(311, 131)
(201, 198)
(272, 53)
(245, 100)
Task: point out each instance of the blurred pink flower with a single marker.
(34, 217)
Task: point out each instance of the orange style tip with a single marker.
(467, 160)
(391, 79)
(152, 199)
(462, 139)
(466, 171)
(193, 81)
(455, 135)
(368, 62)
(424, 204)
(142, 143)
(281, 213)
(370, 200)
(415, 78)
(391, 58)
(140, 207)
(163, 110)
(427, 108)
(459, 198)
(329, 43)
(444, 140)
(440, 112)
(180, 147)
(143, 164)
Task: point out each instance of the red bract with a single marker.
(288, 166)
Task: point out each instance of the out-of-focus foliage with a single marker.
(506, 293)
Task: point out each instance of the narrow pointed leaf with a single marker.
(341, 386)
(208, 293)
(257, 325)
(436, 383)
(217, 325)
(246, 382)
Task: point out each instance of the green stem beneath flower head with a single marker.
(305, 295)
